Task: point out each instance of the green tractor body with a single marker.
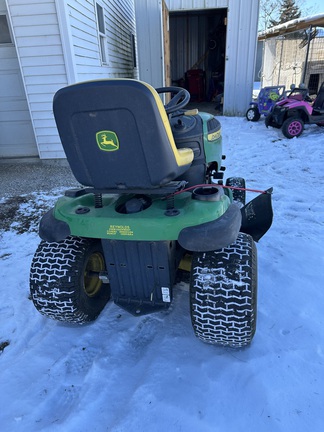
(152, 194)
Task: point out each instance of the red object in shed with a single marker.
(196, 84)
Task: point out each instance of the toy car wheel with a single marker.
(67, 280)
(292, 127)
(223, 294)
(252, 114)
(238, 194)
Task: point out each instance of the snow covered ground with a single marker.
(151, 373)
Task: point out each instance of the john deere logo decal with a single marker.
(107, 140)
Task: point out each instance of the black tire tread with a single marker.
(56, 281)
(223, 291)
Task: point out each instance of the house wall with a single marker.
(241, 42)
(119, 24)
(57, 44)
(39, 50)
(16, 133)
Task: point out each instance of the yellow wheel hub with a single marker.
(92, 282)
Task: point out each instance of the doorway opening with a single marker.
(197, 53)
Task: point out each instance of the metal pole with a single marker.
(307, 53)
(280, 61)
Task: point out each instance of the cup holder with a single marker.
(207, 193)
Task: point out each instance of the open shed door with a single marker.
(17, 137)
(198, 46)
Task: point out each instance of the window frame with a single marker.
(133, 47)
(101, 30)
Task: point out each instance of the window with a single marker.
(102, 33)
(4, 30)
(133, 50)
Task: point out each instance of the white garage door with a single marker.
(17, 137)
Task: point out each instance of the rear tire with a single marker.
(252, 114)
(292, 127)
(64, 280)
(223, 294)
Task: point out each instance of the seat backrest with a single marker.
(319, 100)
(116, 135)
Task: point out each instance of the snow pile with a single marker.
(124, 373)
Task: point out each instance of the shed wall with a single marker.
(150, 41)
(241, 45)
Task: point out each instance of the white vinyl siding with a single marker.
(84, 38)
(121, 26)
(16, 133)
(57, 44)
(102, 32)
(119, 21)
(39, 49)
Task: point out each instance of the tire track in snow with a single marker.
(97, 359)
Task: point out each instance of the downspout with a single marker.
(66, 40)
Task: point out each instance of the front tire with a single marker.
(223, 294)
(292, 127)
(239, 195)
(252, 114)
(64, 280)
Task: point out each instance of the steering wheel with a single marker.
(179, 100)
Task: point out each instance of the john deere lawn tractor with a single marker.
(152, 201)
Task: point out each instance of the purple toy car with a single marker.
(268, 96)
(291, 113)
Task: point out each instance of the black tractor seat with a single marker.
(117, 137)
(318, 104)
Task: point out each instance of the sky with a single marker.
(316, 6)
